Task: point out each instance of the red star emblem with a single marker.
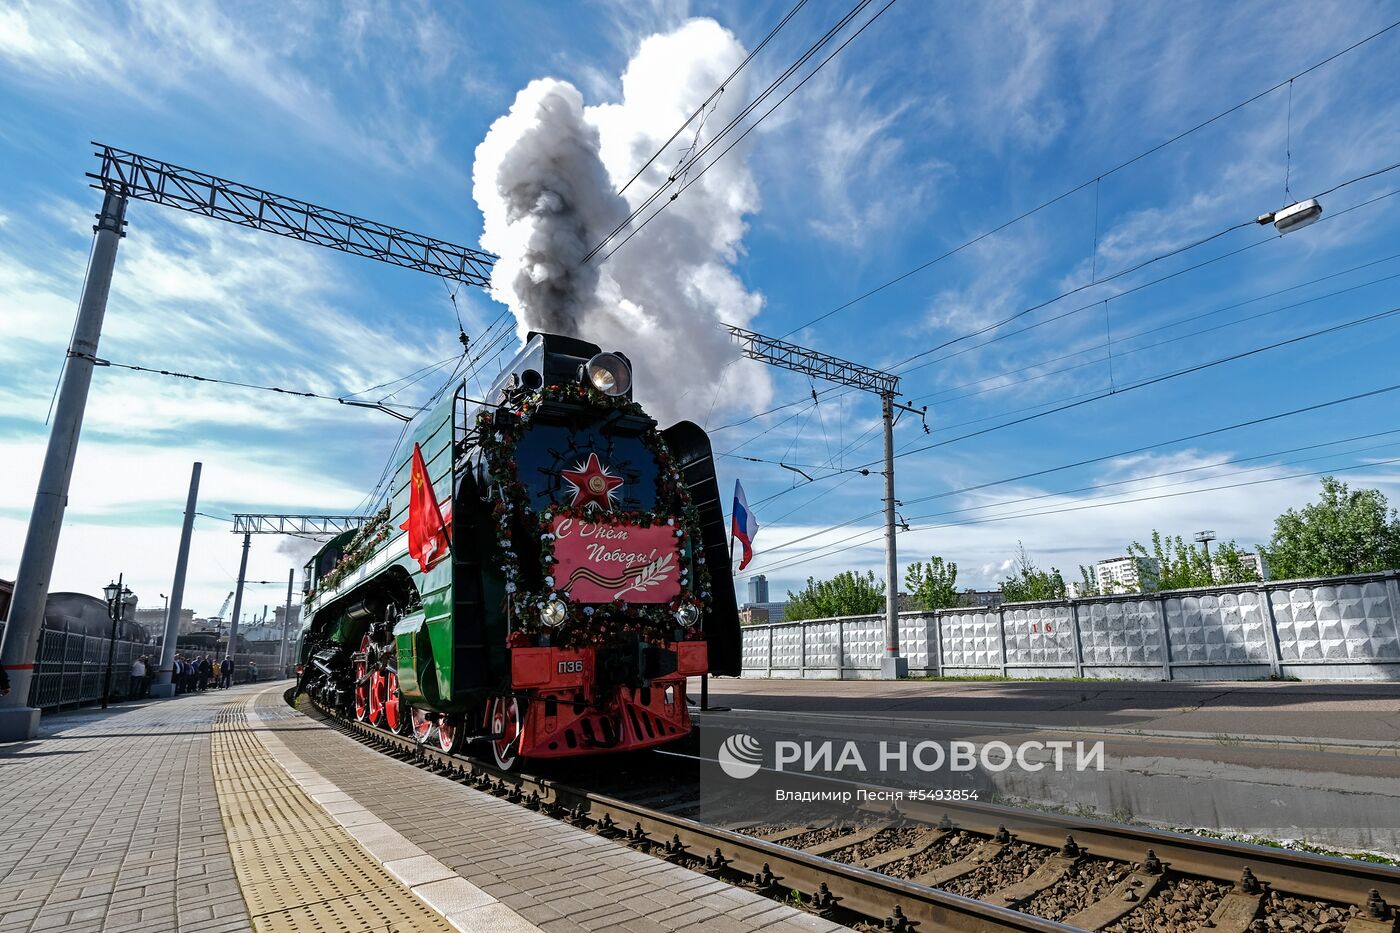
(592, 483)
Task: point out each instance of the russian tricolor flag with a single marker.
(745, 525)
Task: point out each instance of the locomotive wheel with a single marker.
(450, 734)
(396, 712)
(506, 727)
(422, 725)
(378, 693)
(361, 684)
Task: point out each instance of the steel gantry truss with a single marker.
(812, 362)
(262, 523)
(142, 178)
(801, 359)
(123, 177)
(266, 524)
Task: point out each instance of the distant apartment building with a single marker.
(758, 589)
(1256, 561)
(1122, 574)
(980, 599)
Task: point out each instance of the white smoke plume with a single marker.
(546, 178)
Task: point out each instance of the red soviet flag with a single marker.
(427, 531)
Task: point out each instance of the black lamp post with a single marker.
(117, 596)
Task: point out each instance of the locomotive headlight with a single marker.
(553, 613)
(687, 615)
(609, 374)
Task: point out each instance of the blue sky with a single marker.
(939, 123)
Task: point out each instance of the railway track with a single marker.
(954, 866)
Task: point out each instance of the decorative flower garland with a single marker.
(358, 549)
(498, 433)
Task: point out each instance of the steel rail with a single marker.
(869, 893)
(823, 883)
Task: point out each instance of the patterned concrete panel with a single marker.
(1344, 622)
(1039, 635)
(1123, 631)
(787, 646)
(915, 638)
(823, 645)
(864, 642)
(1218, 627)
(970, 639)
(755, 649)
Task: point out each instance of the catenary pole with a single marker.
(286, 623)
(164, 685)
(18, 720)
(892, 665)
(238, 593)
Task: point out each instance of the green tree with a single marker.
(846, 594)
(1172, 564)
(1088, 586)
(1230, 566)
(1028, 583)
(1345, 531)
(933, 585)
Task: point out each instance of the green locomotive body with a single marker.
(548, 571)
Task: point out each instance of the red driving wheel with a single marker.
(422, 725)
(507, 728)
(362, 683)
(395, 715)
(450, 734)
(378, 691)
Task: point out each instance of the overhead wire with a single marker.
(691, 180)
(1171, 442)
(843, 391)
(1066, 509)
(715, 94)
(1130, 480)
(684, 168)
(1098, 177)
(280, 390)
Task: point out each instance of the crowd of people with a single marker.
(190, 674)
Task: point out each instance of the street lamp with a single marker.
(1293, 217)
(117, 596)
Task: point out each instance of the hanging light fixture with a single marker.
(1293, 217)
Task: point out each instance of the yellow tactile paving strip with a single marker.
(298, 869)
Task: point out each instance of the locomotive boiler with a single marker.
(549, 570)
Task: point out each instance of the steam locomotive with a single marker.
(549, 570)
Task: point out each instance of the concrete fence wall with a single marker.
(1335, 628)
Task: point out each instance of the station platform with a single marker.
(229, 811)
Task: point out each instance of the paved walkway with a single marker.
(109, 821)
(229, 811)
(555, 876)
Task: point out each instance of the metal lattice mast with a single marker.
(800, 359)
(141, 178)
(123, 177)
